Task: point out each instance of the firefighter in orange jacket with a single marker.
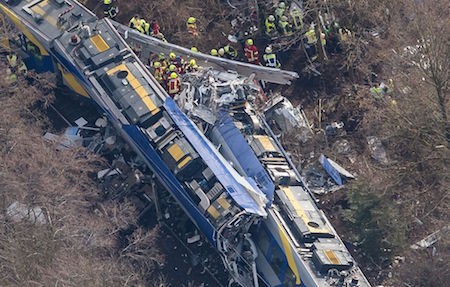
(173, 85)
(251, 52)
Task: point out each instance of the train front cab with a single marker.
(275, 259)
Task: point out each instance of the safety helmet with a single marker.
(249, 42)
(161, 56)
(268, 49)
(281, 5)
(172, 68)
(194, 49)
(221, 52)
(214, 52)
(271, 18)
(226, 48)
(192, 63)
(173, 75)
(156, 64)
(191, 20)
(283, 18)
(172, 56)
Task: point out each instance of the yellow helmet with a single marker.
(194, 49)
(173, 75)
(191, 20)
(249, 42)
(172, 56)
(192, 63)
(226, 48)
(214, 52)
(156, 64)
(172, 68)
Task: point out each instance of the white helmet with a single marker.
(271, 18)
(268, 49)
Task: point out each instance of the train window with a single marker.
(277, 260)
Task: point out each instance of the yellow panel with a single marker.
(37, 9)
(266, 143)
(288, 251)
(300, 211)
(133, 81)
(332, 257)
(213, 211)
(24, 29)
(142, 92)
(150, 105)
(184, 162)
(117, 68)
(99, 43)
(72, 82)
(176, 152)
(222, 201)
(43, 3)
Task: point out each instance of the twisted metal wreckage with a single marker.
(217, 155)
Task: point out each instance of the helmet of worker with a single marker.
(268, 49)
(173, 75)
(161, 56)
(249, 42)
(191, 20)
(271, 18)
(172, 68)
(178, 59)
(194, 49)
(172, 56)
(226, 48)
(221, 52)
(281, 5)
(283, 18)
(156, 64)
(192, 63)
(214, 52)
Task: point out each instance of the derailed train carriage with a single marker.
(264, 224)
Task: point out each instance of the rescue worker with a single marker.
(230, 52)
(173, 85)
(382, 90)
(192, 67)
(134, 22)
(297, 18)
(172, 58)
(285, 26)
(23, 70)
(12, 60)
(10, 77)
(154, 25)
(172, 69)
(311, 41)
(221, 52)
(109, 10)
(159, 71)
(164, 63)
(271, 28)
(145, 27)
(194, 49)
(345, 36)
(251, 52)
(191, 25)
(179, 64)
(214, 52)
(279, 11)
(270, 58)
